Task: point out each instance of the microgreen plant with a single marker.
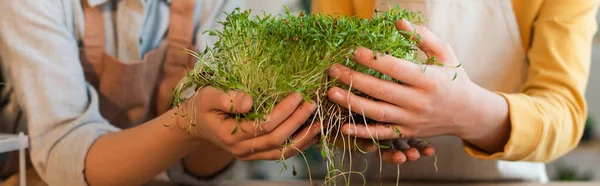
(270, 57)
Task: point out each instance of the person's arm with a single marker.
(547, 118)
(71, 144)
(40, 58)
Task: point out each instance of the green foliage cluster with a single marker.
(270, 57)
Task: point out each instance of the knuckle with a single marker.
(379, 114)
(421, 106)
(431, 85)
(447, 47)
(238, 153)
(267, 127)
(395, 68)
(228, 141)
(344, 72)
(276, 142)
(380, 90)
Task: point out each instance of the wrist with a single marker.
(487, 123)
(207, 160)
(187, 120)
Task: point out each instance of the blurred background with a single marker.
(580, 164)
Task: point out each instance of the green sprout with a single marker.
(269, 57)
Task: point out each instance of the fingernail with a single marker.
(334, 71)
(407, 22)
(337, 95)
(349, 131)
(356, 54)
(297, 95)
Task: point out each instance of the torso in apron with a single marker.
(485, 37)
(131, 92)
(134, 92)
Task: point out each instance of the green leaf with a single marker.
(234, 130)
(397, 130)
(459, 65)
(383, 146)
(306, 98)
(455, 75)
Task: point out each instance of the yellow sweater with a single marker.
(548, 115)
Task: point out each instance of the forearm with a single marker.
(207, 159)
(547, 117)
(136, 155)
(488, 127)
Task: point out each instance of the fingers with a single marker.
(412, 154)
(377, 110)
(280, 134)
(300, 142)
(422, 146)
(231, 131)
(366, 145)
(393, 156)
(381, 89)
(230, 102)
(427, 151)
(378, 132)
(282, 111)
(399, 69)
(428, 42)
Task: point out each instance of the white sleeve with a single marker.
(40, 60)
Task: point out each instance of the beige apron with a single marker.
(485, 37)
(133, 93)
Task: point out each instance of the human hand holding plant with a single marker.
(251, 140)
(432, 100)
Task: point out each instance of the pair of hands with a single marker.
(428, 103)
(436, 101)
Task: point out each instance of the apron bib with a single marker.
(133, 93)
(485, 38)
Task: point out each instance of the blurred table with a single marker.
(307, 183)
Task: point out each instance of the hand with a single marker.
(400, 150)
(428, 103)
(253, 141)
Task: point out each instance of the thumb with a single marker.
(234, 102)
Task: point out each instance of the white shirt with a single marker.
(46, 93)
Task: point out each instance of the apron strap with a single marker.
(181, 25)
(180, 32)
(93, 37)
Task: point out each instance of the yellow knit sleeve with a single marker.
(361, 8)
(548, 116)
